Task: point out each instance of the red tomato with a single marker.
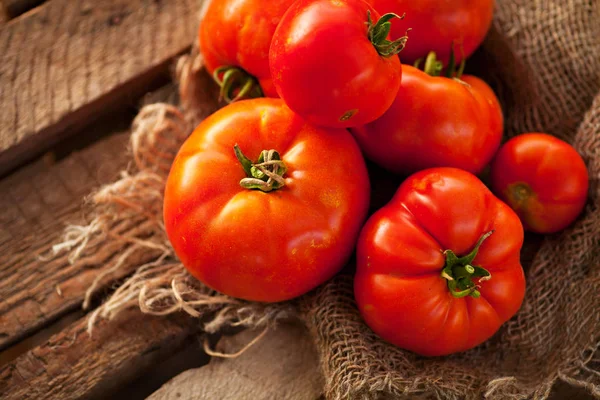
(436, 25)
(269, 231)
(238, 33)
(332, 63)
(543, 179)
(438, 267)
(435, 122)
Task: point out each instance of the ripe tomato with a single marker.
(438, 267)
(235, 36)
(436, 25)
(435, 122)
(332, 63)
(272, 231)
(543, 179)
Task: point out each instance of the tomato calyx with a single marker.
(378, 35)
(519, 193)
(236, 84)
(434, 67)
(459, 271)
(266, 174)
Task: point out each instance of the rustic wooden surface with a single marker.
(38, 202)
(67, 62)
(3, 14)
(14, 8)
(73, 365)
(283, 365)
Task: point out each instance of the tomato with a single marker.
(543, 179)
(436, 25)
(270, 225)
(235, 36)
(438, 267)
(332, 63)
(435, 122)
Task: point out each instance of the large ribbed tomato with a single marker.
(275, 223)
(332, 62)
(235, 36)
(435, 121)
(438, 268)
(437, 24)
(543, 179)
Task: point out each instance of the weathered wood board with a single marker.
(14, 8)
(73, 365)
(3, 14)
(38, 202)
(65, 63)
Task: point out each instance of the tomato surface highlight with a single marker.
(438, 267)
(543, 179)
(333, 64)
(274, 218)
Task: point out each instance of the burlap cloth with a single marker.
(543, 59)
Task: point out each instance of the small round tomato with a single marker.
(438, 267)
(235, 36)
(273, 218)
(543, 179)
(332, 63)
(435, 122)
(437, 25)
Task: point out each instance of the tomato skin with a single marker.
(543, 179)
(436, 24)
(239, 33)
(398, 287)
(435, 122)
(265, 246)
(325, 67)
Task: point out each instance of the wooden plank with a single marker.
(73, 365)
(283, 365)
(3, 14)
(15, 8)
(37, 203)
(189, 357)
(66, 63)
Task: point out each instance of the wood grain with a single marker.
(68, 62)
(73, 365)
(3, 14)
(40, 200)
(15, 8)
(283, 365)
(37, 203)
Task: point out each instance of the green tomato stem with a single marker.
(266, 174)
(378, 35)
(236, 84)
(434, 67)
(460, 273)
